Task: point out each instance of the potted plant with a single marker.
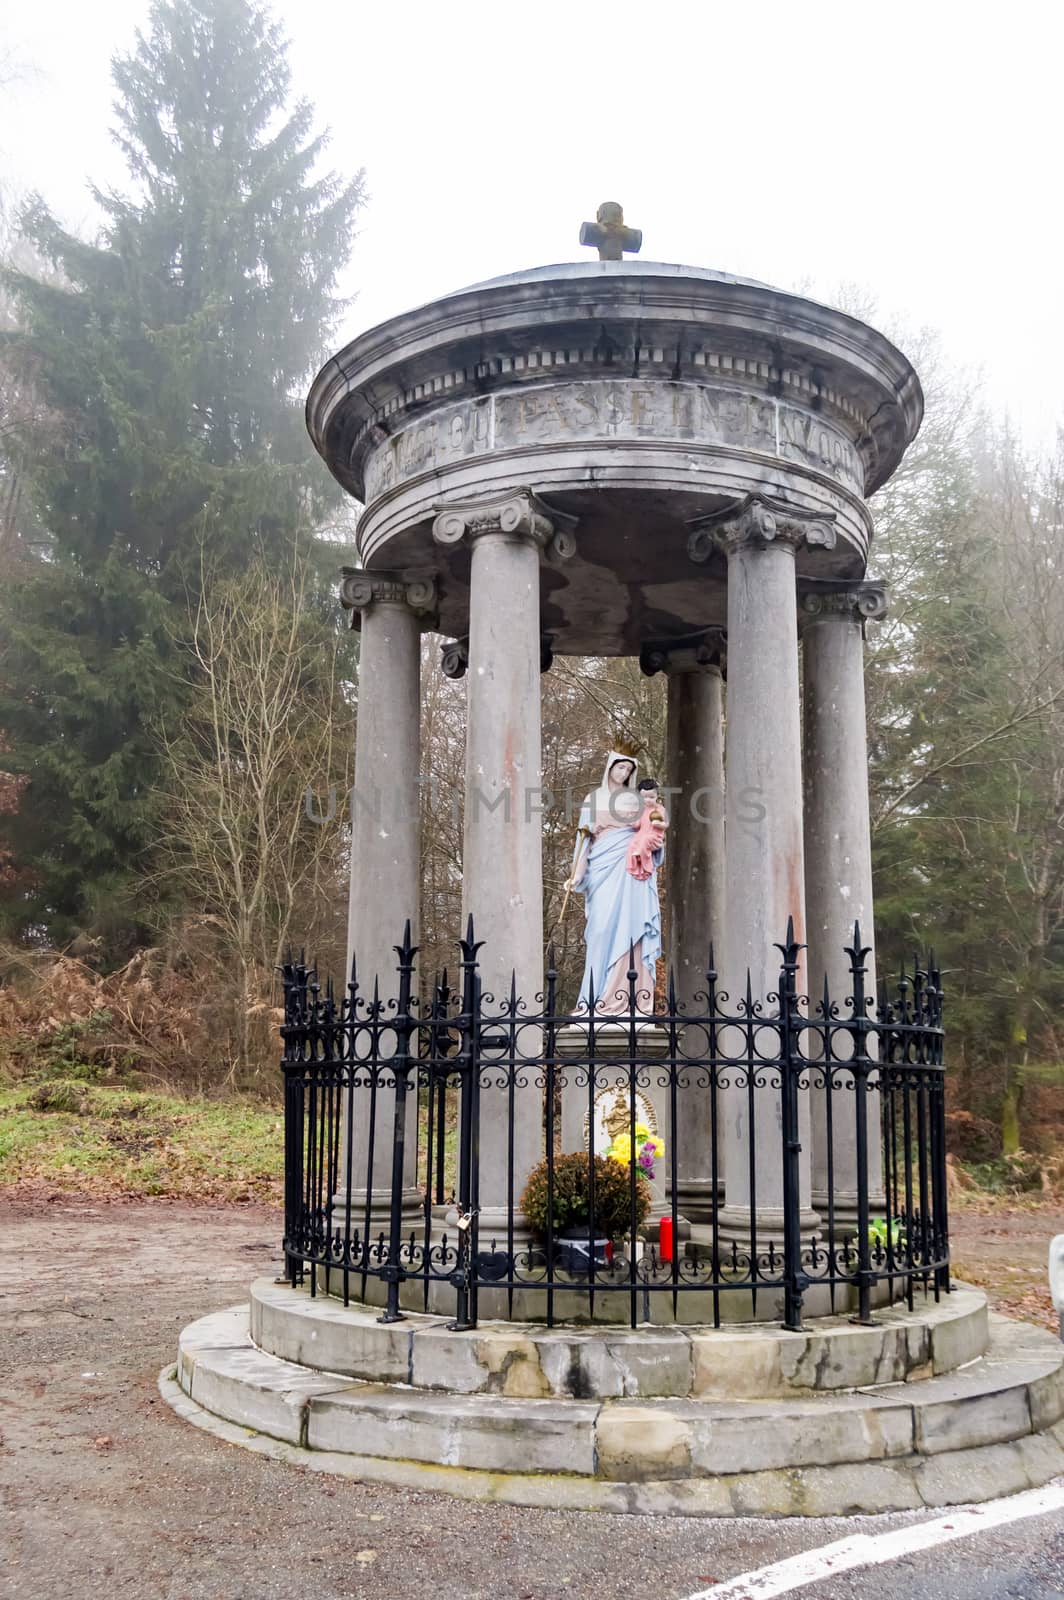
(562, 1208)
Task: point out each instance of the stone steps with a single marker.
(992, 1427)
(530, 1361)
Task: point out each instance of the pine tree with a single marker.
(173, 351)
(967, 685)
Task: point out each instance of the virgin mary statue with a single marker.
(619, 885)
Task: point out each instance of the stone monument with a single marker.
(625, 458)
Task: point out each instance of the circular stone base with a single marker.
(991, 1429)
(529, 1361)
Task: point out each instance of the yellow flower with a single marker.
(621, 1149)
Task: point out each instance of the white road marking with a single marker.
(869, 1550)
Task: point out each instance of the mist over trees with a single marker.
(175, 674)
(170, 356)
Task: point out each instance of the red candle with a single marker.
(665, 1238)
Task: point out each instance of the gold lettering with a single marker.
(420, 447)
(527, 412)
(681, 410)
(587, 398)
(479, 420)
(554, 402)
(615, 410)
(642, 408)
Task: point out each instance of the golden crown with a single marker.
(626, 747)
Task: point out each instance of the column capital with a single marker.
(521, 515)
(858, 602)
(705, 651)
(359, 590)
(454, 656)
(758, 521)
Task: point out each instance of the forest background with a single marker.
(179, 689)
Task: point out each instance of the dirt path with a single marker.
(104, 1491)
(1004, 1251)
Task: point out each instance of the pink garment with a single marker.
(614, 1002)
(649, 836)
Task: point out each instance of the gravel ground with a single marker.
(104, 1491)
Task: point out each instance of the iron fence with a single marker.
(818, 1133)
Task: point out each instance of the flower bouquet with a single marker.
(644, 1147)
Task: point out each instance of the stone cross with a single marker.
(608, 233)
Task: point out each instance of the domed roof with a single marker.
(568, 270)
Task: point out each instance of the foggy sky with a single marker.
(911, 150)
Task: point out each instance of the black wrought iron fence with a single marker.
(441, 1150)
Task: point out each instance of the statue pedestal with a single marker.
(593, 1092)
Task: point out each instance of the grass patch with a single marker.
(79, 1137)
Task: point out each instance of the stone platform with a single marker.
(935, 1407)
(529, 1361)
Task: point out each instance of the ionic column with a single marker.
(838, 861)
(694, 866)
(764, 865)
(502, 860)
(385, 857)
(695, 757)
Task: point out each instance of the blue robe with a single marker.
(620, 912)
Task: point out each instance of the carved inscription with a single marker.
(623, 409)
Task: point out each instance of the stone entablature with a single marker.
(631, 397)
(619, 320)
(616, 409)
(650, 364)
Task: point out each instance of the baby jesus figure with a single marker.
(649, 834)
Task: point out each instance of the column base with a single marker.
(733, 1224)
(380, 1214)
(699, 1199)
(662, 1207)
(845, 1211)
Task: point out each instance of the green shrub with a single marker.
(570, 1208)
(1016, 1174)
(59, 1094)
(74, 1049)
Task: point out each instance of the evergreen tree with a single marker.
(967, 695)
(173, 351)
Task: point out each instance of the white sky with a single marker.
(911, 149)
